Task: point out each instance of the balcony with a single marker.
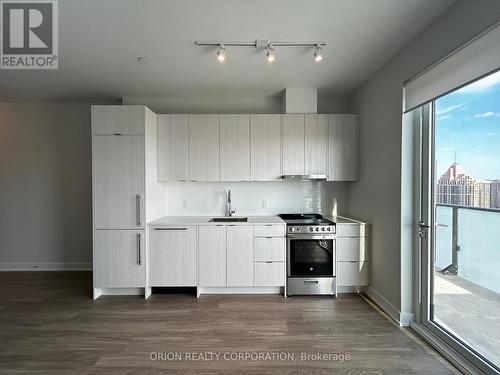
(467, 276)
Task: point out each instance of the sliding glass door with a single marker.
(460, 220)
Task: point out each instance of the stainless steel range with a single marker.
(311, 257)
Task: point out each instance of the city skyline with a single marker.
(468, 129)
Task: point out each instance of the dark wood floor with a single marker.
(50, 325)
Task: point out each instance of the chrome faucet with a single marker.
(230, 211)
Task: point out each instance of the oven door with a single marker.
(311, 256)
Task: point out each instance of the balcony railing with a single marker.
(468, 244)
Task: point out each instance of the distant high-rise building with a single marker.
(495, 194)
(459, 188)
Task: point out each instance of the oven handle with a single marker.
(311, 237)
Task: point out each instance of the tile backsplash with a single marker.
(257, 198)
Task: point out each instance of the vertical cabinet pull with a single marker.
(139, 257)
(138, 210)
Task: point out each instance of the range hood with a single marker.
(304, 177)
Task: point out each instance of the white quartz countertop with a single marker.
(344, 220)
(205, 220)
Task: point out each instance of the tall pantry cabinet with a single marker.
(124, 187)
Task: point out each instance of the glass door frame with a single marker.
(426, 232)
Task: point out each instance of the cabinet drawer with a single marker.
(350, 230)
(269, 273)
(269, 249)
(351, 249)
(269, 231)
(352, 273)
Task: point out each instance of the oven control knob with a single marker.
(328, 229)
(310, 229)
(292, 229)
(317, 229)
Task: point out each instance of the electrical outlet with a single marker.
(185, 203)
(264, 203)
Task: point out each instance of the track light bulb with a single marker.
(318, 54)
(270, 55)
(221, 54)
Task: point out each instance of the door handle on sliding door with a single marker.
(422, 229)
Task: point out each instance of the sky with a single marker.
(468, 124)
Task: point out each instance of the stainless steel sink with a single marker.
(229, 219)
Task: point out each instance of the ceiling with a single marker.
(99, 42)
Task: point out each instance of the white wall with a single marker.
(377, 195)
(45, 186)
(257, 198)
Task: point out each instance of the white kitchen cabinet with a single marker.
(235, 147)
(265, 133)
(203, 148)
(351, 249)
(269, 273)
(293, 144)
(118, 119)
(173, 140)
(315, 145)
(269, 249)
(240, 256)
(270, 230)
(119, 259)
(352, 255)
(212, 255)
(118, 182)
(342, 147)
(352, 274)
(172, 256)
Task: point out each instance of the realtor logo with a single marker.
(29, 37)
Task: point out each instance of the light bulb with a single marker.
(221, 54)
(318, 54)
(270, 55)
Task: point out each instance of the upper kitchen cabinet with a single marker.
(315, 145)
(293, 144)
(119, 181)
(342, 147)
(265, 146)
(203, 148)
(173, 141)
(235, 147)
(118, 119)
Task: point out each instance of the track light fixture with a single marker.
(318, 53)
(269, 46)
(270, 55)
(221, 53)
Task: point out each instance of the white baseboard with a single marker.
(384, 304)
(118, 292)
(45, 267)
(241, 290)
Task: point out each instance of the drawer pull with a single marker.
(170, 228)
(311, 282)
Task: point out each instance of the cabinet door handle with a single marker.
(139, 257)
(170, 228)
(138, 209)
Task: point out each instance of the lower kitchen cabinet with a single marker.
(352, 273)
(119, 259)
(172, 256)
(352, 255)
(269, 273)
(212, 255)
(240, 257)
